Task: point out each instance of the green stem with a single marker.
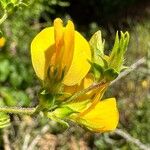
(18, 110)
(4, 17)
(84, 91)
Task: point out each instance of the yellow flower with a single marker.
(62, 50)
(101, 117)
(94, 114)
(2, 42)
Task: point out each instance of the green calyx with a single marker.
(60, 114)
(47, 101)
(53, 81)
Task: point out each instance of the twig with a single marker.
(131, 139)
(38, 137)
(6, 140)
(131, 68)
(26, 141)
(18, 110)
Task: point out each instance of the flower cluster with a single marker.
(75, 74)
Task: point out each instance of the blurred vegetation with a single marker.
(19, 85)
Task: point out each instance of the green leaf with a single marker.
(3, 3)
(118, 51)
(9, 7)
(97, 44)
(4, 70)
(14, 98)
(14, 1)
(21, 98)
(15, 79)
(7, 96)
(97, 47)
(97, 70)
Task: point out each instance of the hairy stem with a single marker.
(18, 110)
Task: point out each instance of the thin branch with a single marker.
(18, 110)
(6, 140)
(26, 141)
(38, 137)
(131, 139)
(131, 68)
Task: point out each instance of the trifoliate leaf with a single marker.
(117, 55)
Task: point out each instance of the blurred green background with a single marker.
(19, 85)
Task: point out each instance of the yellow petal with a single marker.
(68, 45)
(58, 35)
(42, 48)
(98, 94)
(80, 65)
(88, 80)
(2, 41)
(104, 117)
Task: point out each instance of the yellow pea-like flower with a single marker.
(102, 117)
(63, 49)
(2, 41)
